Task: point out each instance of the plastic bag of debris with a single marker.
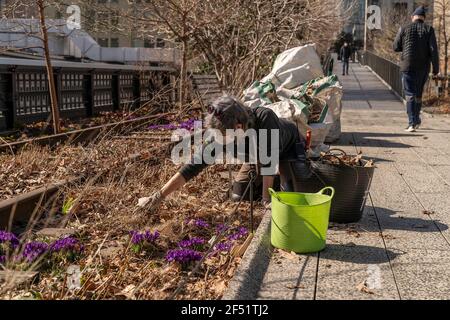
(284, 92)
(260, 94)
(294, 67)
(329, 90)
(292, 109)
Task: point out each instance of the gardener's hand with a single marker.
(151, 203)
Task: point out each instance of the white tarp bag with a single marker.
(294, 67)
(290, 109)
(330, 91)
(333, 97)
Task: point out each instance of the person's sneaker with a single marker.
(410, 129)
(417, 126)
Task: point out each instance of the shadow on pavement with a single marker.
(357, 254)
(402, 222)
(429, 130)
(370, 142)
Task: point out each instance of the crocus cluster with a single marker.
(239, 234)
(200, 223)
(223, 246)
(68, 247)
(68, 244)
(138, 238)
(143, 240)
(33, 250)
(183, 256)
(188, 125)
(195, 242)
(8, 241)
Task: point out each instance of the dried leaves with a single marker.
(363, 287)
(112, 271)
(338, 157)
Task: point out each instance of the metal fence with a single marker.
(83, 89)
(385, 69)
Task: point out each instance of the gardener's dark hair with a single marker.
(226, 112)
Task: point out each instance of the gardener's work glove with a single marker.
(151, 203)
(144, 209)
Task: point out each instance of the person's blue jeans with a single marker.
(413, 85)
(345, 65)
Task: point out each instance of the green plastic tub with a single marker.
(300, 220)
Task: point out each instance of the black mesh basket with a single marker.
(352, 184)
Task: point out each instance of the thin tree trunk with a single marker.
(183, 73)
(48, 63)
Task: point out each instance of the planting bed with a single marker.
(149, 260)
(185, 250)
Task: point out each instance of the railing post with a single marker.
(59, 87)
(116, 91)
(136, 91)
(88, 93)
(9, 97)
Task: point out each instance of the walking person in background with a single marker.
(417, 43)
(346, 53)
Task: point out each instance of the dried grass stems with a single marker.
(101, 213)
(101, 219)
(36, 165)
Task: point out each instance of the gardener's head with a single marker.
(227, 113)
(419, 13)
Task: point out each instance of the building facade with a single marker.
(101, 18)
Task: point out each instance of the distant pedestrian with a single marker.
(346, 53)
(417, 43)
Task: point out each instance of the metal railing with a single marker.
(83, 89)
(385, 69)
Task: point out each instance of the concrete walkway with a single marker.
(396, 251)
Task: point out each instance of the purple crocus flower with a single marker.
(2, 259)
(188, 125)
(201, 223)
(239, 234)
(193, 242)
(223, 246)
(34, 250)
(66, 244)
(183, 256)
(8, 238)
(138, 238)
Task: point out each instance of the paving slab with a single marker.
(289, 277)
(423, 274)
(355, 255)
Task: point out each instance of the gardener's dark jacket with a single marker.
(260, 118)
(417, 43)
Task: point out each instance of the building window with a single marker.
(160, 43)
(149, 43)
(103, 42)
(114, 42)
